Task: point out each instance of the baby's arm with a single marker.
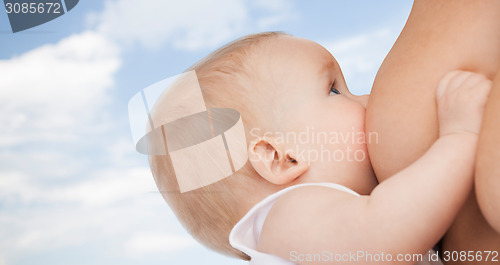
(404, 215)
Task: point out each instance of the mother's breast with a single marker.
(440, 36)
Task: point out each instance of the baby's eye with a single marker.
(333, 90)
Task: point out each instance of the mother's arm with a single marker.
(488, 160)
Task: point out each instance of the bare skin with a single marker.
(314, 219)
(439, 36)
(487, 167)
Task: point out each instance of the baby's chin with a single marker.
(360, 176)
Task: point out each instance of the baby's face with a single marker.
(321, 121)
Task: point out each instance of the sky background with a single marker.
(72, 188)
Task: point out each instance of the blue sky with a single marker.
(72, 188)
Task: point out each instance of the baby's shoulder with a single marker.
(305, 198)
(299, 210)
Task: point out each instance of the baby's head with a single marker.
(301, 122)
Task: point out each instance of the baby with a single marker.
(308, 194)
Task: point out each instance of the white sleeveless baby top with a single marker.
(245, 234)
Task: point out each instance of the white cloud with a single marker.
(188, 25)
(143, 244)
(104, 188)
(113, 206)
(277, 11)
(47, 92)
(360, 56)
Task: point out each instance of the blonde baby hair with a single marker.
(225, 78)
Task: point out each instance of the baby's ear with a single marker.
(274, 163)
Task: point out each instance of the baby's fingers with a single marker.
(446, 81)
(461, 98)
(463, 81)
(480, 91)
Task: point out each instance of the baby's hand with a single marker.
(461, 97)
